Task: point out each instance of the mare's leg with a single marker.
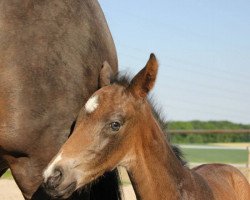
(27, 174)
(2, 171)
(3, 167)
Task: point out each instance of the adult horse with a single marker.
(51, 52)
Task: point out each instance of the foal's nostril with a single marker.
(55, 179)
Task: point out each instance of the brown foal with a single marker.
(116, 127)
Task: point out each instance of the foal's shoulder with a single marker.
(225, 180)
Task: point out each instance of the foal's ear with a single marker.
(106, 74)
(144, 81)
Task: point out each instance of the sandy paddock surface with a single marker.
(10, 191)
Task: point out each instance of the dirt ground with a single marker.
(9, 190)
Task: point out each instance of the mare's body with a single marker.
(51, 52)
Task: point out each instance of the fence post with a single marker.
(248, 161)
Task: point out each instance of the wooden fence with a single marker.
(244, 131)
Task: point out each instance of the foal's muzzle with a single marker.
(57, 187)
(54, 179)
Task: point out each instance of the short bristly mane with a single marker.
(124, 80)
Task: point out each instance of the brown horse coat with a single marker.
(117, 127)
(51, 52)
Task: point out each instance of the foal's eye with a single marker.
(115, 126)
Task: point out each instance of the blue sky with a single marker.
(203, 47)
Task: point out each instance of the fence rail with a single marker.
(197, 146)
(240, 131)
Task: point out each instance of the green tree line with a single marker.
(207, 125)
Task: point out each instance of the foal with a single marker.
(116, 127)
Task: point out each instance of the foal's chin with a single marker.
(63, 191)
(90, 178)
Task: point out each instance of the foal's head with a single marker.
(106, 132)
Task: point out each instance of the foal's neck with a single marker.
(155, 171)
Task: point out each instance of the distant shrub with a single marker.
(207, 138)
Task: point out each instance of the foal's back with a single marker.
(226, 181)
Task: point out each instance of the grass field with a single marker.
(237, 156)
(215, 155)
(7, 175)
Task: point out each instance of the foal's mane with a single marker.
(124, 80)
